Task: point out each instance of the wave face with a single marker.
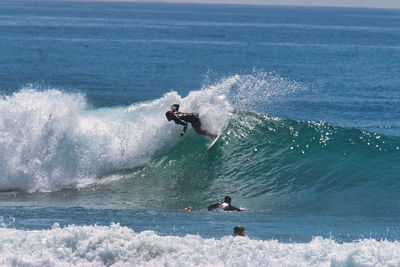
(281, 165)
(120, 246)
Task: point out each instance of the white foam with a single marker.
(120, 246)
(34, 128)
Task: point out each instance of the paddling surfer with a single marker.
(225, 206)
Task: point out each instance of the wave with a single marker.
(116, 245)
(50, 140)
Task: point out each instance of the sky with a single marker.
(338, 3)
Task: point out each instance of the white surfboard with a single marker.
(213, 142)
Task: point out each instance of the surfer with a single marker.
(225, 206)
(184, 118)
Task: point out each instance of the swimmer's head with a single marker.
(239, 231)
(188, 209)
(227, 199)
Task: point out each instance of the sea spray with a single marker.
(257, 91)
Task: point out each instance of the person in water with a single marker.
(225, 206)
(184, 118)
(188, 209)
(239, 231)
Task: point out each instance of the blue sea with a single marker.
(306, 99)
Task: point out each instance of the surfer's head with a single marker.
(227, 199)
(170, 115)
(175, 107)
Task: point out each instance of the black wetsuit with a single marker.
(223, 206)
(185, 118)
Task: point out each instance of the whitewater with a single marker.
(120, 246)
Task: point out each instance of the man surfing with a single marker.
(183, 118)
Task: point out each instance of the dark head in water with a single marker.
(239, 231)
(227, 199)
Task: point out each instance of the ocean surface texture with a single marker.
(307, 102)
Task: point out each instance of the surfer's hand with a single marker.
(182, 133)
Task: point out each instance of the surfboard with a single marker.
(213, 142)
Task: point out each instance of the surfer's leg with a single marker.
(204, 132)
(196, 124)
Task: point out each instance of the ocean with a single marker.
(306, 99)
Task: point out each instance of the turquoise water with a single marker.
(306, 101)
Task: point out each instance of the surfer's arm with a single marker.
(232, 208)
(177, 120)
(184, 128)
